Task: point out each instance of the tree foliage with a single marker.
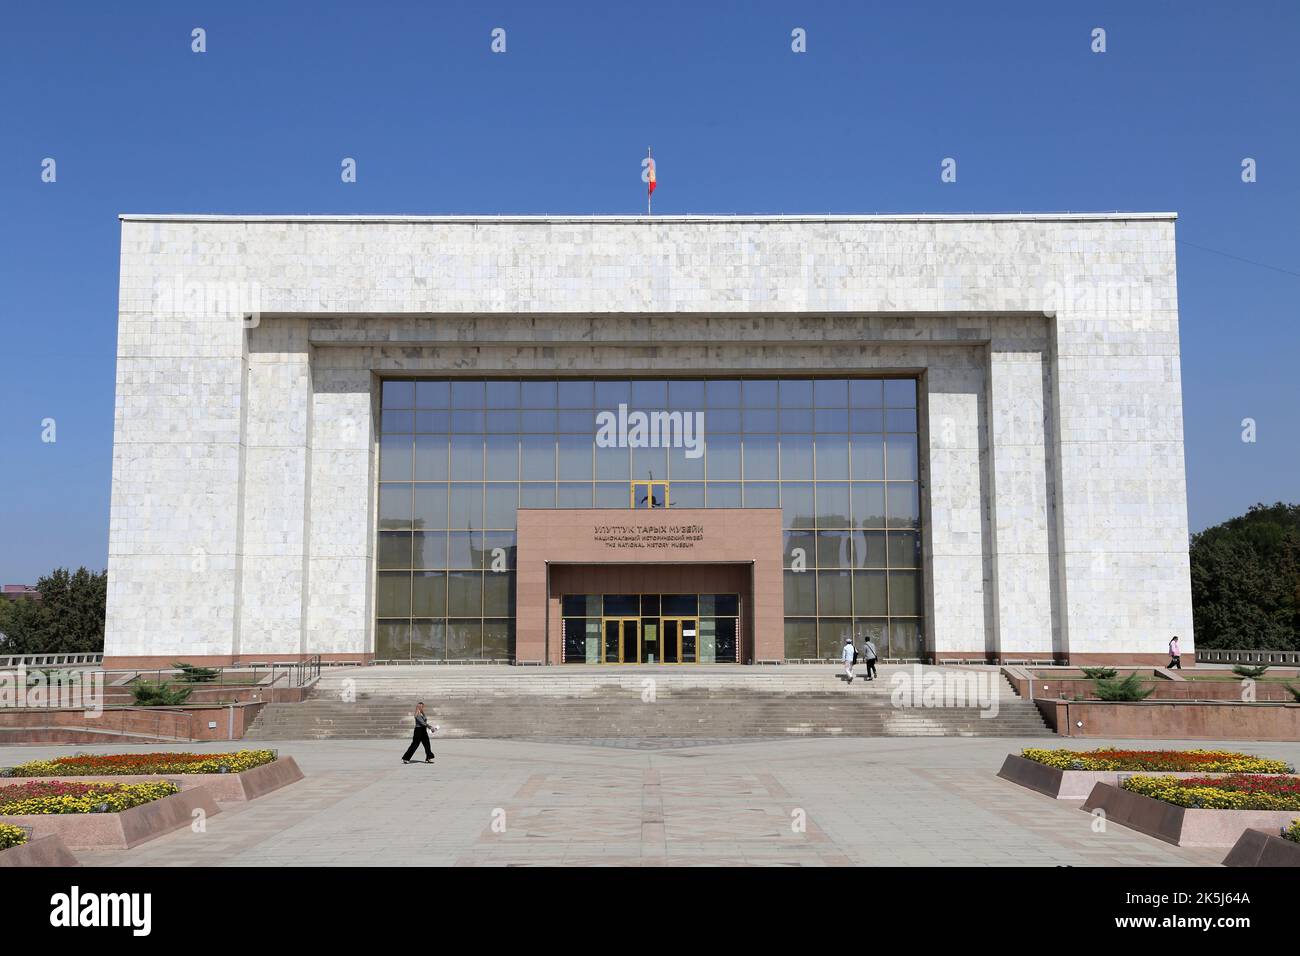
(1246, 581)
(68, 618)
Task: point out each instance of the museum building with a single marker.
(668, 440)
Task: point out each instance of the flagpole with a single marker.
(649, 192)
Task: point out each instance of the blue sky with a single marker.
(559, 123)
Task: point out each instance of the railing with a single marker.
(1212, 656)
(51, 660)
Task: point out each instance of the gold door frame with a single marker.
(622, 623)
(679, 620)
(650, 486)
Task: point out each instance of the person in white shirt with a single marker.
(847, 656)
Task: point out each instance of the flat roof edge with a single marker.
(492, 220)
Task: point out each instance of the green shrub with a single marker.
(1253, 672)
(1115, 689)
(1099, 673)
(193, 674)
(159, 694)
(1295, 691)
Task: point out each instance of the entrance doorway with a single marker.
(681, 640)
(622, 640)
(649, 495)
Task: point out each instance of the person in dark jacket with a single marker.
(421, 736)
(869, 653)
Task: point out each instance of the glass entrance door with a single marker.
(649, 494)
(680, 640)
(622, 640)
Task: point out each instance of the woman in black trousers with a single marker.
(421, 736)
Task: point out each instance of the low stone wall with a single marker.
(1182, 826)
(121, 831)
(1262, 848)
(1076, 784)
(45, 851)
(47, 725)
(1172, 720)
(226, 787)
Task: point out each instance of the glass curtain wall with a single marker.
(457, 457)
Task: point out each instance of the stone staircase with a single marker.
(648, 702)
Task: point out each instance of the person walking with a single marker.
(848, 656)
(869, 655)
(421, 736)
(1175, 655)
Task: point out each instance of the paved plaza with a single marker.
(808, 802)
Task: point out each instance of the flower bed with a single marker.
(1292, 832)
(11, 836)
(57, 796)
(1236, 792)
(1109, 758)
(97, 765)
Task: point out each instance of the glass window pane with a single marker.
(680, 465)
(872, 545)
(869, 593)
(432, 394)
(835, 593)
(722, 393)
(867, 457)
(833, 504)
(650, 463)
(762, 455)
(649, 395)
(831, 393)
(904, 594)
(900, 419)
(649, 605)
(900, 392)
(466, 457)
(619, 495)
(611, 394)
(868, 504)
(498, 595)
(796, 393)
(394, 550)
(762, 494)
(800, 638)
(686, 494)
(502, 456)
(724, 457)
(430, 549)
(394, 506)
(759, 394)
(761, 420)
(431, 453)
(539, 421)
(429, 594)
(905, 638)
(904, 505)
(866, 393)
(800, 549)
(464, 593)
(430, 507)
(471, 395)
(575, 457)
(832, 453)
(613, 463)
(465, 549)
(439, 421)
(798, 504)
(723, 494)
(537, 459)
(498, 638)
(466, 507)
(796, 457)
(573, 495)
(831, 420)
(502, 394)
(464, 640)
(800, 592)
(798, 420)
(393, 594)
(499, 549)
(392, 422)
(429, 640)
(726, 605)
(398, 395)
(534, 494)
(686, 394)
(622, 605)
(687, 604)
(831, 634)
(502, 422)
(718, 420)
(834, 550)
(904, 549)
(539, 395)
(576, 394)
(393, 640)
(500, 504)
(395, 457)
(867, 420)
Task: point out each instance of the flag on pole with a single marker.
(651, 180)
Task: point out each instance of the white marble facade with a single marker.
(250, 351)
